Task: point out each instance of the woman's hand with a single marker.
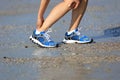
(73, 3)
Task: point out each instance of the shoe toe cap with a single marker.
(85, 38)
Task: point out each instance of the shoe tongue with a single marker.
(76, 30)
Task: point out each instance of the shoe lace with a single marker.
(78, 32)
(46, 35)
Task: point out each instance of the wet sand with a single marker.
(20, 59)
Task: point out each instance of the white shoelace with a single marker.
(47, 36)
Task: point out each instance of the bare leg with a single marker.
(42, 8)
(57, 12)
(77, 15)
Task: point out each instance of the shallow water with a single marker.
(22, 60)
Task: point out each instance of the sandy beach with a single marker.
(20, 59)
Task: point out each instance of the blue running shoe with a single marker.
(76, 37)
(42, 39)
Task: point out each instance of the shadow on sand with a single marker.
(111, 32)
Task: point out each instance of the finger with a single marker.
(76, 5)
(69, 4)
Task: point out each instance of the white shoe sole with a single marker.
(74, 41)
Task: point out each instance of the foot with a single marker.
(42, 39)
(76, 37)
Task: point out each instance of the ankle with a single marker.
(37, 31)
(69, 32)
